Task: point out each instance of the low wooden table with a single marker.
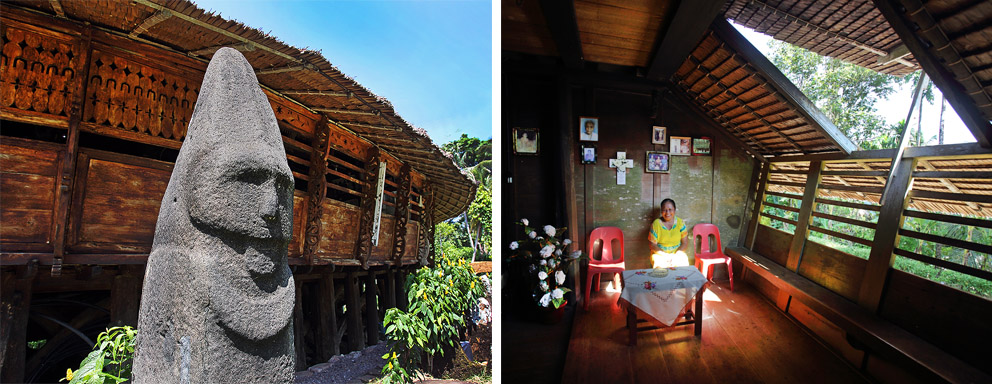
(663, 296)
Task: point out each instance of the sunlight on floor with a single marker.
(710, 296)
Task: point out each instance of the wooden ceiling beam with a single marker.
(672, 45)
(564, 27)
(316, 93)
(289, 68)
(952, 89)
(681, 98)
(151, 21)
(57, 7)
(348, 111)
(785, 88)
(246, 46)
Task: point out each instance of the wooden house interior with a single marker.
(96, 97)
(802, 310)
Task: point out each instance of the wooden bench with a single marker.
(878, 335)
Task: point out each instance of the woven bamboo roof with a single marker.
(852, 31)
(302, 75)
(867, 188)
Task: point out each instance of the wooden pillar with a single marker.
(890, 219)
(330, 344)
(371, 310)
(316, 189)
(63, 194)
(752, 199)
(125, 295)
(805, 212)
(370, 176)
(15, 306)
(568, 160)
(402, 301)
(299, 329)
(402, 214)
(353, 312)
(759, 202)
(390, 288)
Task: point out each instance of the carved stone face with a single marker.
(245, 194)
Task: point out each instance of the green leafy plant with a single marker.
(441, 299)
(111, 358)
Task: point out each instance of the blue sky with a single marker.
(431, 59)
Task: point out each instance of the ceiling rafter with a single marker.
(156, 18)
(561, 21)
(691, 20)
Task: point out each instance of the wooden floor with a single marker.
(534, 352)
(745, 340)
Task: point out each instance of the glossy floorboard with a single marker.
(745, 340)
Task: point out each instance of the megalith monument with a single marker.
(218, 295)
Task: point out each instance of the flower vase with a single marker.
(551, 315)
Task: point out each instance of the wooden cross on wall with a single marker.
(621, 163)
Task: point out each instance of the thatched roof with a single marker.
(301, 75)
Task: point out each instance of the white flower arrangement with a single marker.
(547, 262)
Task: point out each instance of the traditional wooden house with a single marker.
(775, 170)
(96, 97)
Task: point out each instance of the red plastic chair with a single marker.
(607, 263)
(706, 258)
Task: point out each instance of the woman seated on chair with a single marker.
(668, 238)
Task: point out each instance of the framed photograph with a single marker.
(588, 128)
(588, 154)
(680, 146)
(658, 135)
(525, 141)
(701, 146)
(657, 162)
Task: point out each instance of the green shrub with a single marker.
(110, 359)
(440, 300)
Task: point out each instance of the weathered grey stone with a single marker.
(218, 296)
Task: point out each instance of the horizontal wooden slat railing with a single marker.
(879, 335)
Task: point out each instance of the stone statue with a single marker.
(218, 295)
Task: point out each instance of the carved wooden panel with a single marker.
(37, 71)
(410, 253)
(339, 223)
(299, 223)
(345, 141)
(132, 96)
(116, 202)
(316, 189)
(402, 214)
(363, 248)
(28, 175)
(293, 114)
(425, 238)
(382, 252)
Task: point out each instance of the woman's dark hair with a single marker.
(668, 201)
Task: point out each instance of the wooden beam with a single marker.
(15, 305)
(363, 247)
(330, 343)
(298, 328)
(57, 7)
(759, 201)
(749, 200)
(151, 21)
(401, 215)
(561, 21)
(804, 219)
(316, 93)
(947, 183)
(371, 310)
(786, 88)
(952, 89)
(890, 219)
(125, 294)
(316, 190)
(246, 46)
(289, 68)
(353, 311)
(374, 112)
(675, 43)
(679, 99)
(895, 54)
(390, 288)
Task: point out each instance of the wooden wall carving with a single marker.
(426, 235)
(38, 71)
(137, 97)
(363, 248)
(402, 214)
(316, 189)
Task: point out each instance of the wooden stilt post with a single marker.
(371, 310)
(354, 313)
(391, 288)
(125, 294)
(330, 344)
(15, 307)
(401, 296)
(299, 329)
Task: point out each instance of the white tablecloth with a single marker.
(667, 298)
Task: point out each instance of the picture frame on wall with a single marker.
(588, 128)
(701, 146)
(680, 146)
(658, 134)
(657, 162)
(526, 141)
(588, 154)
